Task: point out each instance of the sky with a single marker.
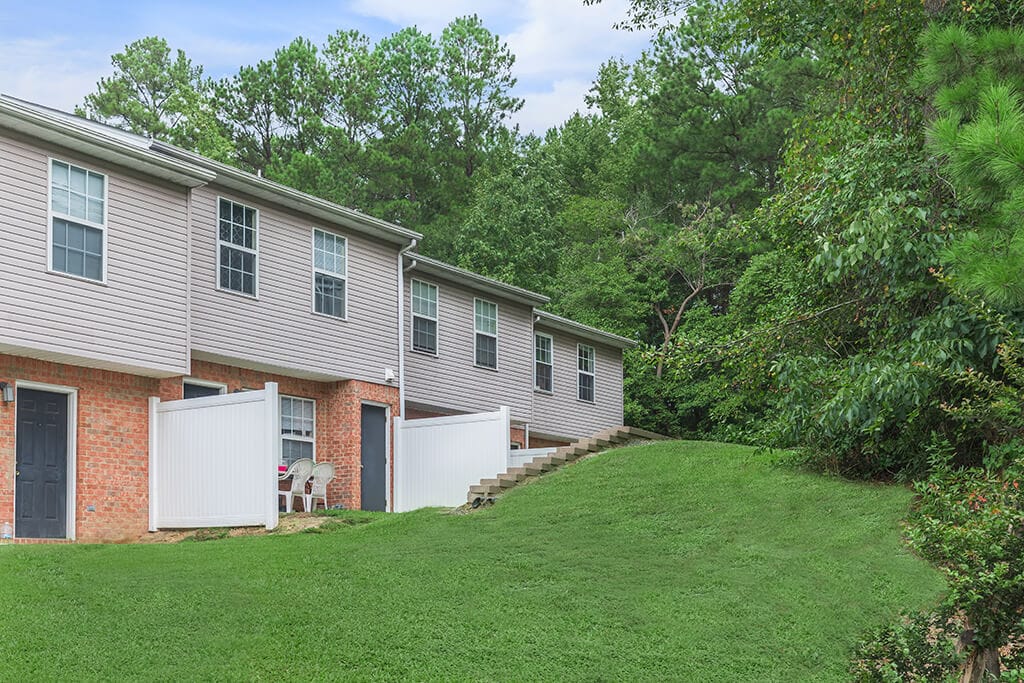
(54, 52)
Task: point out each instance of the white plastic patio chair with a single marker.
(323, 472)
(299, 471)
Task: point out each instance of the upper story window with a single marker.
(424, 317)
(543, 362)
(78, 203)
(237, 243)
(298, 429)
(485, 325)
(330, 273)
(585, 359)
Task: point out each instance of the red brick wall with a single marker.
(338, 418)
(112, 443)
(112, 468)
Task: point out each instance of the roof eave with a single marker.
(243, 181)
(41, 126)
(475, 281)
(558, 323)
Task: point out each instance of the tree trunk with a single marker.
(980, 664)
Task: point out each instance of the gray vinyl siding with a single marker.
(451, 381)
(561, 413)
(138, 319)
(279, 328)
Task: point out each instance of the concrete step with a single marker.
(615, 435)
(644, 434)
(484, 489)
(514, 477)
(501, 483)
(536, 469)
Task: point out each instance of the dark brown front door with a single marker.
(41, 479)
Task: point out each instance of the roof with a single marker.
(178, 165)
(243, 181)
(97, 140)
(470, 279)
(556, 322)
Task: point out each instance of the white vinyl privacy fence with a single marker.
(213, 460)
(437, 459)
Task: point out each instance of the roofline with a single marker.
(557, 322)
(60, 130)
(243, 181)
(481, 282)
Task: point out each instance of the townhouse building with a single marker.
(131, 269)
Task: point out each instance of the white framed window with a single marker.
(237, 247)
(298, 429)
(330, 274)
(77, 241)
(543, 362)
(424, 317)
(485, 327)
(199, 388)
(585, 365)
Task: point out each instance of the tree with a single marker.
(157, 94)
(976, 80)
(477, 79)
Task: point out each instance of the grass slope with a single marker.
(692, 561)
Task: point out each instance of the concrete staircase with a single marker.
(489, 489)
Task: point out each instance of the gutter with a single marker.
(401, 324)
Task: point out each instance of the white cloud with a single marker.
(550, 108)
(433, 16)
(53, 72)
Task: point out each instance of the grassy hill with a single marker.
(682, 561)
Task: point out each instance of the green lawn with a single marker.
(683, 561)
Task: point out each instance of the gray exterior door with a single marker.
(41, 486)
(374, 458)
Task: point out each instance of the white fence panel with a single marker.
(438, 458)
(521, 456)
(213, 460)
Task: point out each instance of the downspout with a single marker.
(401, 325)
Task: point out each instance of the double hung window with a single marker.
(237, 241)
(424, 317)
(298, 429)
(330, 273)
(78, 201)
(543, 359)
(585, 361)
(485, 326)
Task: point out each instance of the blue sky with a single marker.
(54, 52)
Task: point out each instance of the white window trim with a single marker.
(203, 383)
(292, 437)
(255, 251)
(536, 387)
(437, 320)
(486, 334)
(315, 270)
(51, 214)
(592, 374)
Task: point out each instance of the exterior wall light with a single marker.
(6, 392)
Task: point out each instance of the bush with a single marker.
(918, 647)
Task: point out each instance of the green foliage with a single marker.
(970, 523)
(976, 80)
(918, 647)
(160, 95)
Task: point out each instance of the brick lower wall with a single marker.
(112, 435)
(338, 419)
(112, 468)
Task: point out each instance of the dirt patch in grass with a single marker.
(292, 523)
